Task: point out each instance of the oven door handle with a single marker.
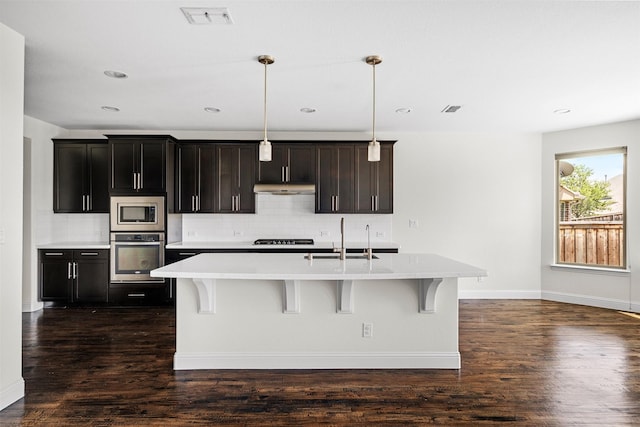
(136, 244)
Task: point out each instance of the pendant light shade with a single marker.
(373, 150)
(264, 150)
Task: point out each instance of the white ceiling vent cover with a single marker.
(451, 108)
(207, 15)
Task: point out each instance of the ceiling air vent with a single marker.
(451, 108)
(207, 15)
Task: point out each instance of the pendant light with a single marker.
(373, 150)
(264, 150)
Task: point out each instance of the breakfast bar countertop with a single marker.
(239, 245)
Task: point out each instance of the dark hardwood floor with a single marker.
(523, 362)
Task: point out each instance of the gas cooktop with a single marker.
(283, 242)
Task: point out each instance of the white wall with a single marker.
(604, 289)
(11, 117)
(475, 198)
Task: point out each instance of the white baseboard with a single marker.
(635, 307)
(466, 294)
(32, 306)
(11, 394)
(613, 304)
(408, 360)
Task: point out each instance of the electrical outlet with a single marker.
(367, 330)
(379, 234)
(237, 233)
(324, 233)
(413, 223)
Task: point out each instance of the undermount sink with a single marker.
(337, 256)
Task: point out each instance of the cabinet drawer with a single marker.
(88, 254)
(139, 294)
(56, 254)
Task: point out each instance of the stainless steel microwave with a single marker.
(137, 213)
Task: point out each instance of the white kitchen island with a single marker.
(284, 311)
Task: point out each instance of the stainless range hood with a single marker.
(285, 189)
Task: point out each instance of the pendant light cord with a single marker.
(265, 101)
(374, 102)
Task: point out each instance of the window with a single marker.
(591, 211)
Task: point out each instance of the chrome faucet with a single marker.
(369, 251)
(341, 249)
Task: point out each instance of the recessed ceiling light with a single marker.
(115, 74)
(207, 15)
(308, 110)
(110, 109)
(403, 110)
(562, 111)
(212, 109)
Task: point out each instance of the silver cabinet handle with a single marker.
(75, 270)
(373, 203)
(186, 253)
(88, 253)
(68, 270)
(136, 295)
(193, 203)
(84, 200)
(139, 181)
(337, 203)
(135, 181)
(287, 175)
(377, 203)
(198, 203)
(53, 253)
(282, 174)
(88, 203)
(238, 203)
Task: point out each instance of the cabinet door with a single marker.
(152, 166)
(246, 177)
(345, 162)
(325, 187)
(187, 177)
(227, 187)
(69, 176)
(98, 178)
(91, 276)
(301, 163)
(384, 202)
(124, 156)
(273, 172)
(206, 179)
(55, 275)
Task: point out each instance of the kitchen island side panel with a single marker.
(249, 329)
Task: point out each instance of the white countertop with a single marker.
(250, 245)
(74, 245)
(267, 266)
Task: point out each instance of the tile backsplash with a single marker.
(280, 216)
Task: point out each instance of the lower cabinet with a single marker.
(79, 276)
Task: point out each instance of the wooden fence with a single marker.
(591, 243)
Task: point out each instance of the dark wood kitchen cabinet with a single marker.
(142, 164)
(195, 177)
(80, 176)
(374, 181)
(335, 178)
(236, 175)
(291, 162)
(74, 276)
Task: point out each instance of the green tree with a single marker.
(596, 193)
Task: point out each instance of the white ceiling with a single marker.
(509, 63)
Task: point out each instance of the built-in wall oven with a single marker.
(137, 238)
(134, 255)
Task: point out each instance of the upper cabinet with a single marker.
(141, 164)
(236, 175)
(335, 178)
(195, 178)
(291, 163)
(80, 171)
(374, 181)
